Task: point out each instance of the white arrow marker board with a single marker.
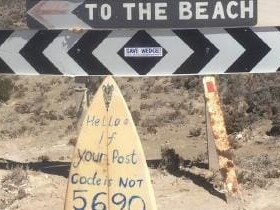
(109, 168)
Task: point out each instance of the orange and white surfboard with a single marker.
(109, 170)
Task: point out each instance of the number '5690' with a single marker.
(118, 199)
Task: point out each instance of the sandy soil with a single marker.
(47, 192)
(39, 127)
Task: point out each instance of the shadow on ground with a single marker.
(63, 168)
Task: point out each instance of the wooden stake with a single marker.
(213, 160)
(217, 124)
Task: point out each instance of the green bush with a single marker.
(6, 88)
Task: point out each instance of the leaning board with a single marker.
(109, 169)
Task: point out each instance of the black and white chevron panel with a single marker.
(197, 51)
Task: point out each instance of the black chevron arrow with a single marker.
(255, 48)
(82, 52)
(4, 68)
(33, 52)
(31, 22)
(203, 49)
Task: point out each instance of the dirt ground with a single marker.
(39, 125)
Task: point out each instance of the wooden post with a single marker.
(80, 98)
(213, 160)
(222, 144)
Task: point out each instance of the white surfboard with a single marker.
(109, 170)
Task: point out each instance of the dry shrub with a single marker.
(149, 84)
(257, 170)
(273, 173)
(136, 117)
(144, 96)
(12, 14)
(247, 99)
(127, 97)
(20, 90)
(52, 115)
(274, 131)
(235, 121)
(191, 110)
(71, 112)
(191, 83)
(14, 133)
(44, 158)
(174, 115)
(170, 160)
(234, 141)
(39, 99)
(157, 89)
(16, 178)
(42, 87)
(65, 94)
(55, 81)
(195, 132)
(148, 122)
(73, 141)
(72, 128)
(14, 185)
(144, 106)
(250, 179)
(201, 158)
(6, 88)
(151, 130)
(24, 108)
(181, 106)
